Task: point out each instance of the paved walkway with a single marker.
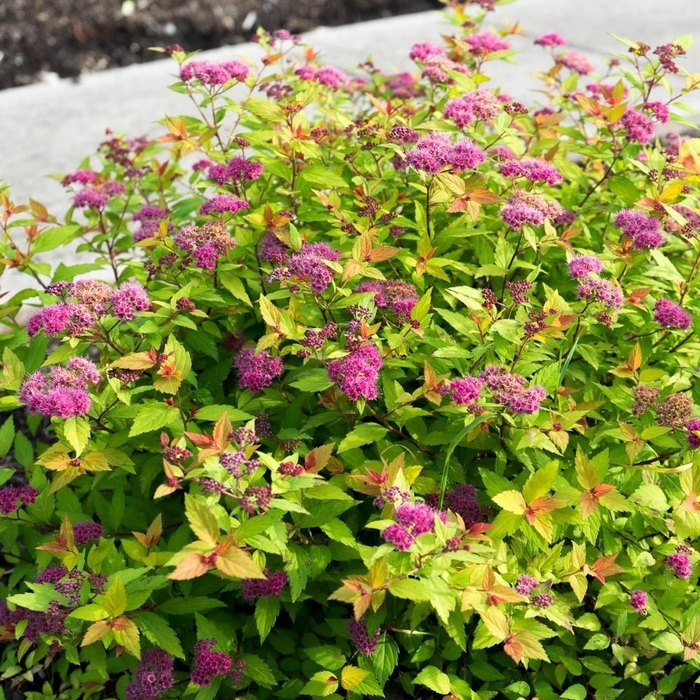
(49, 127)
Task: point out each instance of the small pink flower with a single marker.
(638, 601)
(486, 42)
(223, 204)
(130, 298)
(679, 562)
(670, 315)
(638, 126)
(693, 428)
(584, 265)
(423, 50)
(576, 62)
(256, 370)
(551, 39)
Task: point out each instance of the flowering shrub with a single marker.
(374, 382)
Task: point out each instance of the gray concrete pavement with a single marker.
(48, 128)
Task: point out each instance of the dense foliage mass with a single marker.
(373, 382)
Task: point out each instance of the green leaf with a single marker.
(319, 175)
(363, 434)
(160, 633)
(313, 380)
(410, 589)
(7, 435)
(215, 411)
(258, 671)
(329, 658)
(91, 612)
(431, 677)
(189, 606)
(54, 238)
(266, 611)
(12, 370)
(668, 642)
(337, 530)
(201, 520)
(153, 416)
(385, 658)
(540, 483)
(114, 600)
(322, 684)
(234, 284)
(76, 430)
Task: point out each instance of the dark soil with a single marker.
(72, 37)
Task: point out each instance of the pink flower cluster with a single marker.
(403, 85)
(639, 601)
(526, 584)
(87, 532)
(465, 392)
(412, 520)
(273, 250)
(206, 244)
(357, 373)
(153, 677)
(208, 663)
(486, 42)
(129, 299)
(509, 390)
(670, 315)
(210, 73)
(310, 264)
(254, 588)
(436, 151)
(256, 370)
(693, 428)
(464, 501)
(149, 217)
(394, 295)
(97, 196)
(576, 62)
(528, 208)
(326, 75)
(550, 39)
(238, 169)
(63, 393)
(660, 111)
(480, 104)
(679, 562)
(591, 287)
(223, 204)
(13, 497)
(360, 636)
(644, 230)
(81, 177)
(583, 265)
(638, 126)
(534, 169)
(422, 50)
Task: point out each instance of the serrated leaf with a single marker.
(76, 430)
(511, 501)
(153, 416)
(267, 609)
(114, 600)
(352, 676)
(160, 633)
(410, 589)
(201, 520)
(363, 434)
(433, 678)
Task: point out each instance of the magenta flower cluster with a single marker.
(583, 265)
(463, 500)
(270, 587)
(486, 42)
(256, 370)
(14, 497)
(644, 230)
(128, 300)
(638, 127)
(693, 428)
(308, 264)
(223, 204)
(153, 677)
(639, 601)
(62, 393)
(238, 169)
(528, 208)
(95, 195)
(576, 62)
(679, 562)
(533, 169)
(211, 73)
(550, 39)
(149, 217)
(423, 50)
(208, 663)
(394, 295)
(466, 391)
(86, 532)
(360, 636)
(526, 584)
(206, 244)
(326, 75)
(357, 374)
(412, 520)
(480, 104)
(436, 151)
(670, 315)
(586, 268)
(509, 390)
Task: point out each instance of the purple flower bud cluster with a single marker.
(542, 600)
(256, 370)
(670, 315)
(71, 585)
(526, 584)
(63, 393)
(238, 169)
(290, 469)
(509, 390)
(412, 520)
(256, 499)
(480, 104)
(394, 295)
(693, 428)
(357, 373)
(263, 429)
(533, 169)
(486, 42)
(675, 410)
(403, 134)
(394, 496)
(273, 250)
(315, 339)
(639, 601)
(584, 265)
(12, 498)
(596, 289)
(679, 562)
(206, 244)
(463, 500)
(208, 663)
(360, 636)
(223, 204)
(153, 677)
(518, 291)
(237, 464)
(436, 151)
(129, 299)
(308, 264)
(644, 230)
(326, 75)
(97, 196)
(528, 208)
(213, 74)
(270, 587)
(150, 217)
(244, 436)
(638, 127)
(87, 532)
(51, 574)
(645, 397)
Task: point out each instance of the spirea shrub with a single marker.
(374, 382)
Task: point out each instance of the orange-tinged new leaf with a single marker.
(512, 501)
(541, 506)
(586, 471)
(383, 252)
(361, 605)
(192, 566)
(605, 566)
(222, 430)
(524, 645)
(318, 458)
(95, 632)
(237, 563)
(634, 360)
(137, 361)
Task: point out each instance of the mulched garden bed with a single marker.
(72, 37)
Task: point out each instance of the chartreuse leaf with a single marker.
(76, 430)
(115, 599)
(363, 434)
(329, 658)
(541, 482)
(433, 678)
(153, 416)
(201, 520)
(322, 684)
(12, 371)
